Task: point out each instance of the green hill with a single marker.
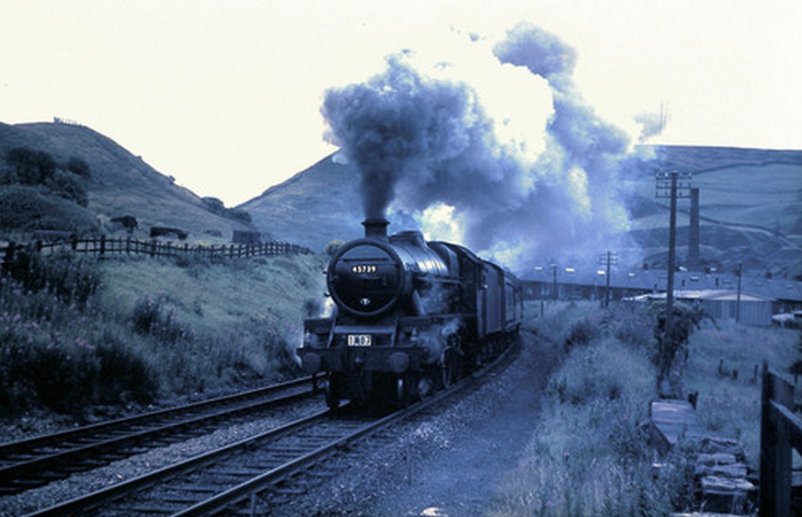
(119, 184)
(314, 207)
(750, 206)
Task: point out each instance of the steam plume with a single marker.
(425, 145)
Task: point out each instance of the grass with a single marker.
(587, 454)
(151, 329)
(730, 406)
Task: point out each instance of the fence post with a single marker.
(153, 247)
(38, 245)
(74, 242)
(102, 245)
(775, 449)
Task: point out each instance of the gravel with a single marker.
(122, 470)
(448, 464)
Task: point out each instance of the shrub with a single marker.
(68, 186)
(41, 366)
(29, 208)
(31, 167)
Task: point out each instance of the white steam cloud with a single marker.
(446, 144)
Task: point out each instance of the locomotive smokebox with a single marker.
(376, 228)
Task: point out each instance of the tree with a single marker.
(31, 167)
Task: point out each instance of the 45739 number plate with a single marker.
(359, 340)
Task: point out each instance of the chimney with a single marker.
(376, 228)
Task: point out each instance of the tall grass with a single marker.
(588, 455)
(131, 330)
(721, 368)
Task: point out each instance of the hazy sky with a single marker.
(225, 95)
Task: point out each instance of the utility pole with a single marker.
(554, 282)
(672, 186)
(738, 296)
(610, 259)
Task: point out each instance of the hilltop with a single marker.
(750, 199)
(750, 205)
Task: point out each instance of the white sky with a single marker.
(225, 95)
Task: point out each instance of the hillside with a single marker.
(119, 182)
(751, 206)
(313, 207)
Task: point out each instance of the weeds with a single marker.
(69, 278)
(155, 316)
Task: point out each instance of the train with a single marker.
(409, 317)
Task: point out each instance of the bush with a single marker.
(29, 208)
(31, 167)
(42, 365)
(68, 186)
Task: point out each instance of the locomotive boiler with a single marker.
(410, 316)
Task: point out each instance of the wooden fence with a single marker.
(104, 247)
(780, 431)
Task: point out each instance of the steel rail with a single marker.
(239, 493)
(63, 449)
(87, 502)
(227, 497)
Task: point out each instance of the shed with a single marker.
(723, 305)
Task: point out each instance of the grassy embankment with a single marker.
(80, 332)
(587, 454)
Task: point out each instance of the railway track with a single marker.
(236, 478)
(37, 461)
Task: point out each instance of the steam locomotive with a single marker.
(410, 317)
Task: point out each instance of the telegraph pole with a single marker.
(738, 298)
(671, 185)
(554, 281)
(610, 259)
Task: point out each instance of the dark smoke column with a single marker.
(395, 125)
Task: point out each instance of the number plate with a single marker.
(359, 339)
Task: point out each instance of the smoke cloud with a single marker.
(427, 148)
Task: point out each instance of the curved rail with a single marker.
(36, 461)
(228, 476)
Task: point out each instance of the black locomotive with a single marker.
(410, 316)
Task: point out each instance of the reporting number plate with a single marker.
(359, 340)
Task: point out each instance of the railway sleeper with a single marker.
(161, 509)
(197, 487)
